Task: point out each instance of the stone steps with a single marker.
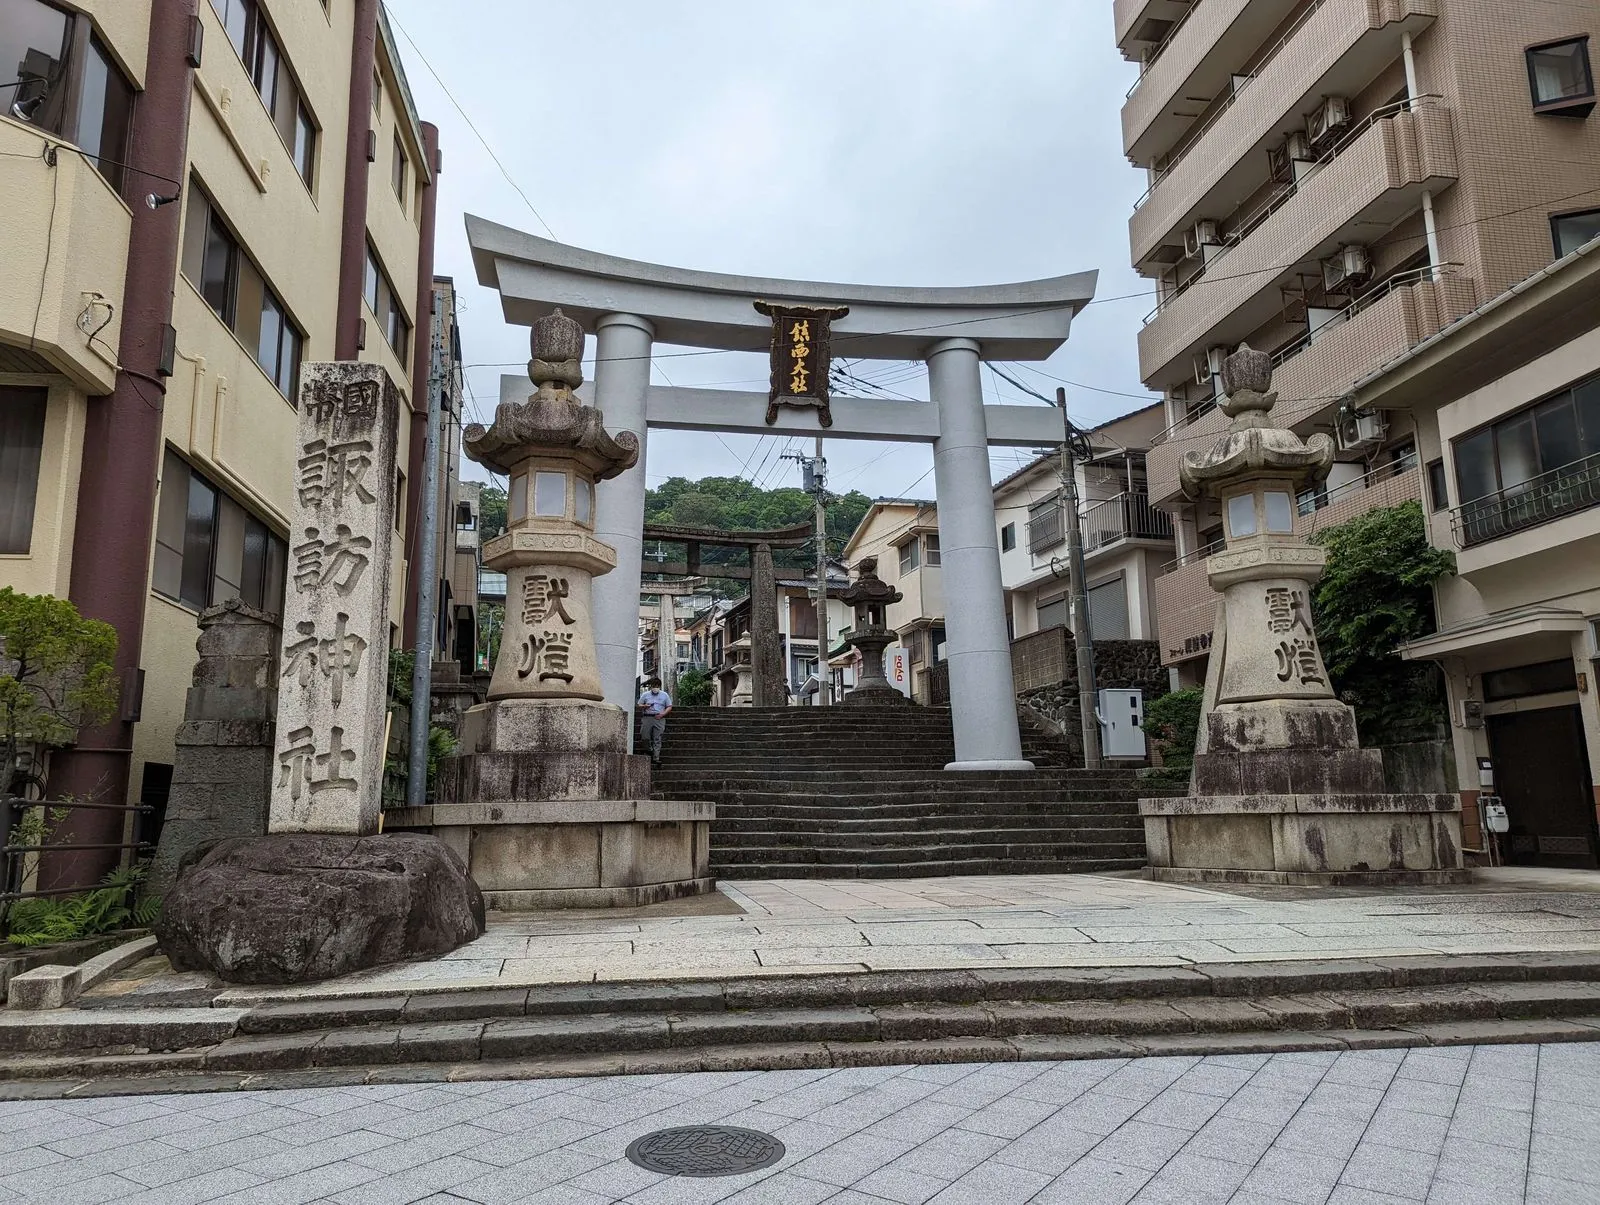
(804, 1021)
(863, 793)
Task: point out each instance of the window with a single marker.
(1403, 457)
(1532, 466)
(385, 306)
(106, 115)
(238, 294)
(465, 519)
(1053, 614)
(209, 549)
(274, 82)
(1545, 678)
(377, 92)
(1008, 537)
(1108, 610)
(58, 76)
(22, 414)
(399, 173)
(1573, 230)
(933, 549)
(909, 557)
(1438, 487)
(1559, 74)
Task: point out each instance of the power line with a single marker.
(443, 87)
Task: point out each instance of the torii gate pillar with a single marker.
(621, 387)
(983, 701)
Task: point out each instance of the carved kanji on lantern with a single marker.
(801, 357)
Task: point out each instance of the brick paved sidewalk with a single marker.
(1487, 1125)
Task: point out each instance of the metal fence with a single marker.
(15, 870)
(1540, 499)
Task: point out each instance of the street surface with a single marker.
(1486, 1125)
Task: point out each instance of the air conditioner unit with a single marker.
(1296, 148)
(1332, 114)
(1359, 432)
(1202, 234)
(1208, 365)
(1352, 266)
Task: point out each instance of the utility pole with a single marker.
(1088, 697)
(814, 473)
(427, 577)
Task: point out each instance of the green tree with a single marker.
(1173, 723)
(491, 511)
(694, 689)
(56, 674)
(1377, 594)
(697, 510)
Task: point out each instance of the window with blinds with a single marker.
(209, 549)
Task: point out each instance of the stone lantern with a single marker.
(1282, 790)
(552, 450)
(870, 597)
(544, 801)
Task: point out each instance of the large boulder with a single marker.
(294, 907)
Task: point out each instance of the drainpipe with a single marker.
(1414, 90)
(358, 132)
(420, 367)
(122, 458)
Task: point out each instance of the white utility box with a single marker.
(1121, 714)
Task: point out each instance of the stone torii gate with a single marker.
(629, 305)
(767, 668)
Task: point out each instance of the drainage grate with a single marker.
(705, 1151)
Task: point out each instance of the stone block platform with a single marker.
(581, 853)
(549, 810)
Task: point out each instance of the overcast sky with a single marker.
(920, 142)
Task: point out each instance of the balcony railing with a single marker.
(1240, 228)
(1045, 530)
(1242, 82)
(1542, 499)
(1160, 47)
(1127, 516)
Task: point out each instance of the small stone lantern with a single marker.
(870, 597)
(553, 450)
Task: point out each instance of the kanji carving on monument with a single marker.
(332, 692)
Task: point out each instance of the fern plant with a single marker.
(113, 905)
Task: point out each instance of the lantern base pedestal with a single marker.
(551, 811)
(1309, 839)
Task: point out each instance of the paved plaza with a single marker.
(804, 927)
(1485, 1125)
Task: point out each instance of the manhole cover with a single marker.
(705, 1151)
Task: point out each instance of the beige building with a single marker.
(1506, 405)
(198, 201)
(1334, 182)
(903, 533)
(1126, 541)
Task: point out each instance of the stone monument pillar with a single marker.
(871, 596)
(334, 687)
(545, 803)
(769, 681)
(1283, 793)
(324, 894)
(222, 771)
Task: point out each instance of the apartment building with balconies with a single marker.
(1335, 182)
(1126, 541)
(200, 198)
(1506, 405)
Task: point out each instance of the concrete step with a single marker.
(932, 1016)
(863, 821)
(1128, 838)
